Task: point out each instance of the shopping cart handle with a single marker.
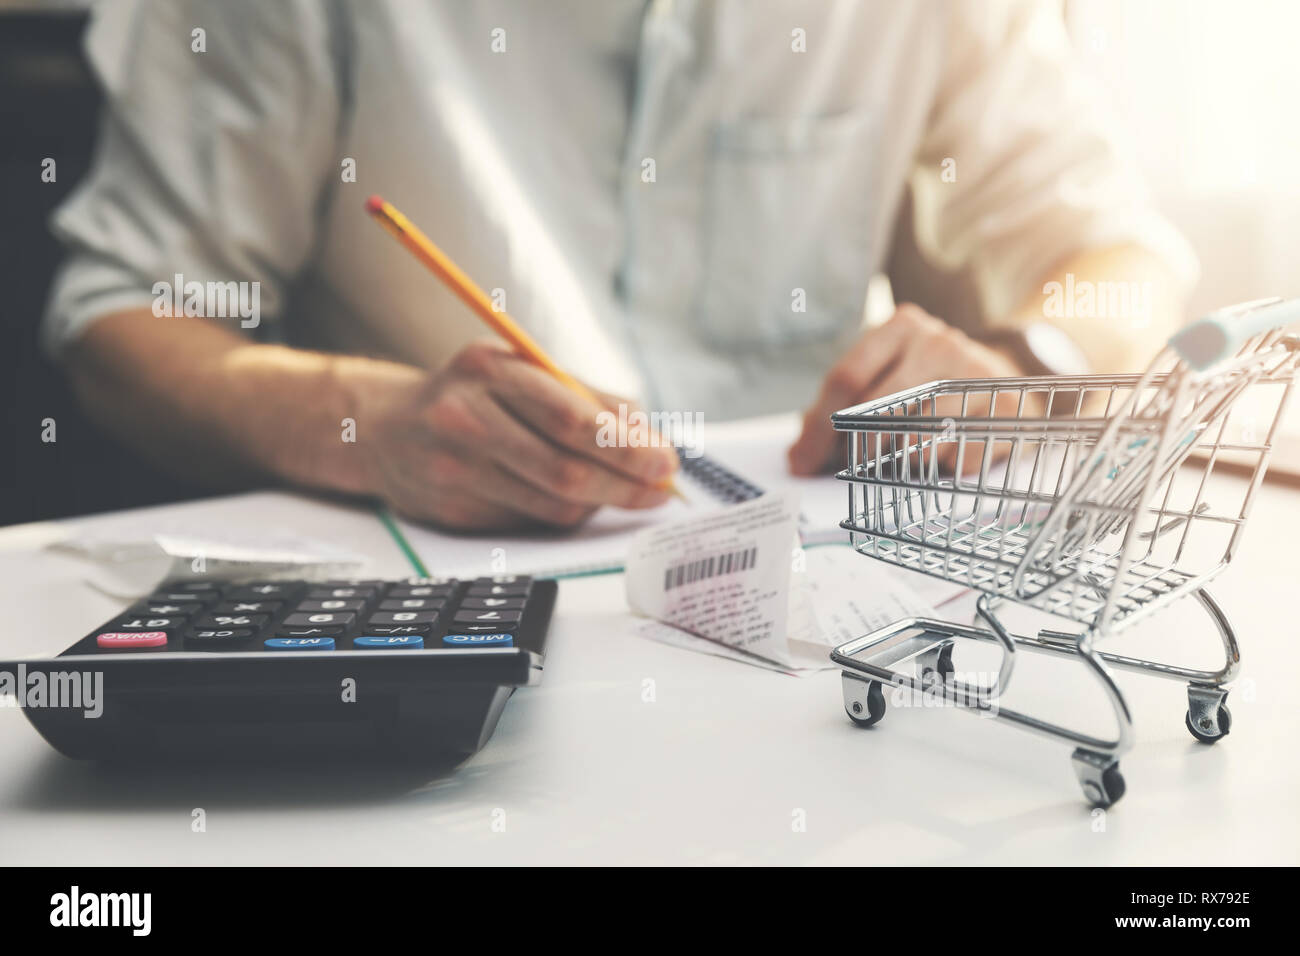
(1220, 334)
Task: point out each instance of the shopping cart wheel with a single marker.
(936, 664)
(1099, 777)
(1208, 717)
(864, 700)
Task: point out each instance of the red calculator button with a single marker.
(119, 640)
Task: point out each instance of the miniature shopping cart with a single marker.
(1089, 497)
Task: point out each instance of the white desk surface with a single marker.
(713, 771)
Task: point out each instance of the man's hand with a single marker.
(912, 348)
(488, 442)
(491, 441)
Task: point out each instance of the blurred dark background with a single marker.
(48, 108)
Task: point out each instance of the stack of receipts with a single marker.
(737, 583)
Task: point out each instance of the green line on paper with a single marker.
(390, 523)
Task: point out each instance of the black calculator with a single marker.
(413, 669)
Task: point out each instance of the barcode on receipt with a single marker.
(729, 562)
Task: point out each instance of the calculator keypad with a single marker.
(319, 616)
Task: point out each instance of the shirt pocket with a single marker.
(788, 208)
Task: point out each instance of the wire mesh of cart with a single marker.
(1089, 498)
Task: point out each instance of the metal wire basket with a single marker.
(1084, 497)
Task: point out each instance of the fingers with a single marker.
(565, 419)
(459, 492)
(409, 493)
(479, 455)
(495, 488)
(564, 477)
(855, 378)
(948, 353)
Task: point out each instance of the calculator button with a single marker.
(192, 586)
(420, 590)
(331, 630)
(397, 630)
(343, 618)
(232, 620)
(486, 627)
(247, 607)
(478, 617)
(166, 609)
(130, 640)
(300, 643)
(331, 604)
(265, 591)
(183, 597)
(395, 641)
(404, 617)
(368, 583)
(519, 580)
(498, 590)
(487, 603)
(341, 594)
(205, 637)
(478, 640)
(412, 604)
(146, 623)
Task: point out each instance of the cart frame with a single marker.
(1083, 497)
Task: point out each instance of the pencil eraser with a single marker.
(374, 204)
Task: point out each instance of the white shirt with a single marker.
(653, 186)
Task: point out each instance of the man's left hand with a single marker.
(913, 347)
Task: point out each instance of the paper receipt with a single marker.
(724, 576)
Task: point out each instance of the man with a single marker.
(682, 201)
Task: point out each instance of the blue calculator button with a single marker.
(401, 641)
(478, 640)
(300, 643)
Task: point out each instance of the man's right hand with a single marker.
(491, 442)
(488, 442)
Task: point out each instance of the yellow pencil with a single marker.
(422, 247)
